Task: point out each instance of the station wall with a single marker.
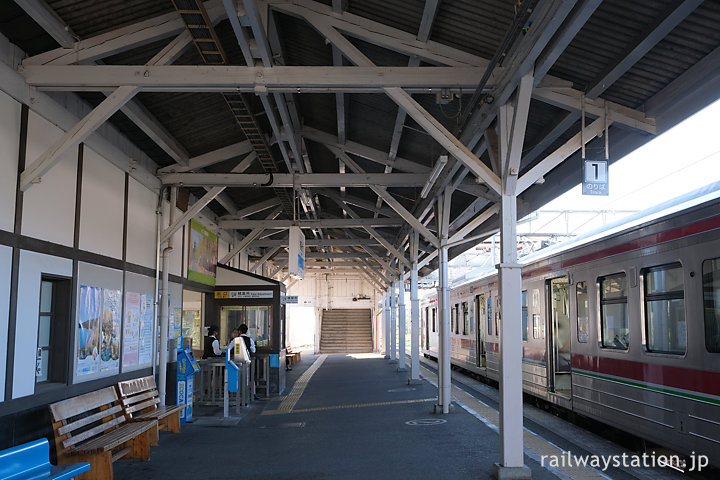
(91, 225)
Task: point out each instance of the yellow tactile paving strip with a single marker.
(338, 407)
(535, 446)
(291, 400)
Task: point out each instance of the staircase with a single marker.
(346, 331)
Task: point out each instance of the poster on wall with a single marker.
(88, 337)
(202, 254)
(131, 330)
(110, 331)
(146, 328)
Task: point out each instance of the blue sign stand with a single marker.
(187, 367)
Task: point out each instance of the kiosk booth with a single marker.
(245, 298)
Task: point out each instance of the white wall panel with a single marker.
(5, 271)
(32, 266)
(49, 206)
(94, 276)
(141, 225)
(102, 206)
(9, 145)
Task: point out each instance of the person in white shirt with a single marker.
(249, 342)
(212, 345)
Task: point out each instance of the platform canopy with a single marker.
(352, 116)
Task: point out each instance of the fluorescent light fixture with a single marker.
(434, 175)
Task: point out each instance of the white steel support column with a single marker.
(444, 385)
(393, 320)
(401, 320)
(512, 120)
(414, 312)
(511, 393)
(386, 319)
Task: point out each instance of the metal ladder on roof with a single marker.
(206, 40)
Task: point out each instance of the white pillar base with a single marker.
(512, 473)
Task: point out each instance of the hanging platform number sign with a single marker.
(595, 177)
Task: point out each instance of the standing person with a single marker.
(212, 345)
(249, 342)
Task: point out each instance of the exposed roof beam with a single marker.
(353, 200)
(122, 39)
(392, 201)
(571, 100)
(211, 158)
(513, 120)
(379, 34)
(646, 40)
(242, 245)
(264, 258)
(406, 102)
(375, 234)
(565, 34)
(323, 223)
(225, 78)
(252, 209)
(75, 135)
(199, 205)
(287, 180)
(50, 21)
(321, 243)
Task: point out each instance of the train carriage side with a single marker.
(643, 318)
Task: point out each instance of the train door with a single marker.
(559, 373)
(480, 329)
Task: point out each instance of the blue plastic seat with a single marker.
(31, 461)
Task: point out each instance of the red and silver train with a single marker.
(622, 327)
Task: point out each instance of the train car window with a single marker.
(466, 318)
(665, 309)
(489, 316)
(537, 333)
(524, 316)
(711, 304)
(613, 312)
(457, 318)
(581, 295)
(453, 316)
(434, 318)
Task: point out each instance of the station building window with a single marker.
(51, 365)
(583, 319)
(711, 303)
(665, 309)
(524, 316)
(614, 312)
(466, 318)
(258, 318)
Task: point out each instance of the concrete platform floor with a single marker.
(343, 417)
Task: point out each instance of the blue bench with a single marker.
(32, 461)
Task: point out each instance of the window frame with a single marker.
(524, 316)
(612, 301)
(709, 304)
(665, 296)
(465, 308)
(60, 335)
(586, 287)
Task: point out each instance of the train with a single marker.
(620, 325)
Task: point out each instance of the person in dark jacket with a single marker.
(212, 345)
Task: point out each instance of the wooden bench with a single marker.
(31, 461)
(93, 428)
(139, 398)
(293, 357)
